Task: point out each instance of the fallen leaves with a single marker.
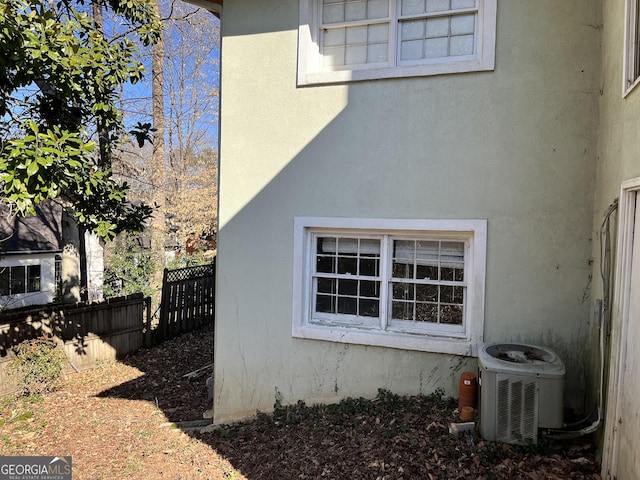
(115, 421)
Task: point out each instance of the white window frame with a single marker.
(453, 339)
(631, 60)
(28, 279)
(311, 70)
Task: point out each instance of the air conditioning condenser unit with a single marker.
(521, 391)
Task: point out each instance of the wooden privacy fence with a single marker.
(188, 300)
(88, 332)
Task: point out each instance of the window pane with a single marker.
(348, 246)
(33, 278)
(355, 55)
(369, 267)
(436, 48)
(379, 33)
(402, 270)
(17, 280)
(369, 289)
(326, 285)
(451, 314)
(4, 280)
(348, 265)
(325, 264)
(347, 287)
(325, 304)
(462, 24)
(356, 35)
(355, 11)
(427, 312)
(446, 294)
(437, 27)
(427, 293)
(427, 272)
(333, 13)
(377, 53)
(334, 37)
(402, 311)
(457, 4)
(370, 247)
(377, 9)
(403, 291)
(412, 30)
(462, 45)
(458, 295)
(437, 5)
(409, 7)
(348, 306)
(369, 308)
(412, 50)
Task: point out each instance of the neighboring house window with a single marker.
(415, 284)
(5, 275)
(632, 46)
(19, 279)
(33, 278)
(343, 40)
(58, 275)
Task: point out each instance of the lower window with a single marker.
(414, 284)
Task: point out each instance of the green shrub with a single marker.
(38, 366)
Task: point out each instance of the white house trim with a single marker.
(620, 322)
(462, 342)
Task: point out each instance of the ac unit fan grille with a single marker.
(517, 409)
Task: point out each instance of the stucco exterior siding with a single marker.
(618, 161)
(516, 146)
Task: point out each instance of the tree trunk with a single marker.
(158, 228)
(70, 268)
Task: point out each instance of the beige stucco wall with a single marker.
(619, 154)
(516, 146)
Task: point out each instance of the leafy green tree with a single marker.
(59, 83)
(130, 267)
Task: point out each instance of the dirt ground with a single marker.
(134, 419)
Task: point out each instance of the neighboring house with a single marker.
(31, 258)
(402, 180)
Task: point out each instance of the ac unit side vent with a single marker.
(517, 409)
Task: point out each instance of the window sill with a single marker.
(405, 341)
(341, 76)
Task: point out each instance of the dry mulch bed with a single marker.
(116, 422)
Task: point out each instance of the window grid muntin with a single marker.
(411, 287)
(333, 284)
(367, 22)
(385, 320)
(427, 15)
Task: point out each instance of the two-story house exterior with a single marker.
(403, 180)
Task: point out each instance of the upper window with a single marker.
(343, 40)
(416, 284)
(632, 46)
